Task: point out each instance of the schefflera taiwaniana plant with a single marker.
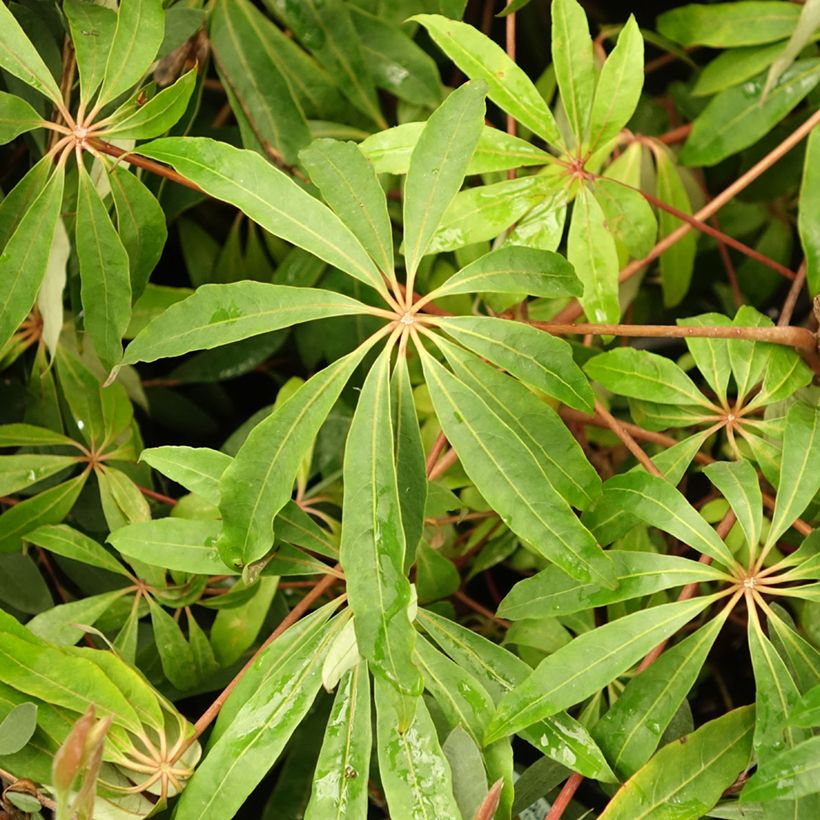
(511, 443)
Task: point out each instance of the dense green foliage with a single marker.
(284, 292)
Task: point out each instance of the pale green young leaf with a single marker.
(19, 57)
(629, 733)
(17, 727)
(411, 466)
(501, 459)
(372, 548)
(63, 624)
(537, 358)
(711, 355)
(677, 263)
(140, 224)
(260, 480)
(725, 25)
(591, 251)
(738, 117)
(785, 374)
(792, 774)
(541, 227)
(20, 471)
(738, 482)
(573, 62)
(414, 772)
(552, 592)
(244, 47)
(49, 507)
(249, 745)
(644, 375)
(588, 663)
(349, 185)
(16, 117)
(154, 117)
(514, 269)
(559, 736)
(340, 780)
(485, 211)
(799, 476)
(693, 773)
(130, 56)
(198, 469)
(25, 256)
(104, 271)
(482, 59)
(50, 294)
(618, 88)
(269, 197)
(438, 165)
(70, 543)
(660, 504)
(219, 314)
(92, 29)
(810, 204)
(390, 151)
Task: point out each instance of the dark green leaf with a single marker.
(792, 774)
(92, 28)
(810, 204)
(16, 117)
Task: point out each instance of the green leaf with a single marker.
(629, 733)
(514, 270)
(25, 256)
(785, 374)
(692, 772)
(733, 67)
(156, 116)
(644, 375)
(711, 355)
(500, 457)
(618, 88)
(130, 56)
(372, 547)
(739, 117)
(17, 727)
(244, 48)
(63, 624)
(92, 29)
(573, 63)
(252, 741)
(175, 653)
(748, 359)
(792, 774)
(49, 507)
(28, 435)
(22, 586)
(629, 217)
(678, 262)
(269, 197)
(804, 32)
(537, 358)
(482, 59)
(20, 471)
(340, 779)
(70, 543)
(16, 117)
(436, 576)
(437, 167)
(414, 772)
(799, 477)
(140, 225)
(106, 281)
(81, 390)
(218, 314)
(810, 204)
(657, 502)
(349, 185)
(19, 57)
(411, 467)
(552, 592)
(260, 480)
(738, 483)
(806, 712)
(591, 251)
(467, 769)
(591, 661)
(389, 151)
(198, 469)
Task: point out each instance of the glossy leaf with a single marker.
(63, 624)
(349, 185)
(792, 774)
(691, 773)
(20, 471)
(500, 459)
(25, 256)
(711, 355)
(130, 57)
(573, 62)
(106, 281)
(16, 117)
(70, 543)
(198, 469)
(804, 32)
(269, 197)
(748, 359)
(734, 66)
(482, 59)
(535, 357)
(810, 203)
(92, 29)
(629, 217)
(738, 482)
(588, 663)
(437, 167)
(218, 314)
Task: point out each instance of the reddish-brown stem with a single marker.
(480, 609)
(565, 797)
(675, 135)
(509, 41)
(628, 441)
(443, 464)
(792, 295)
(163, 499)
(731, 274)
(438, 447)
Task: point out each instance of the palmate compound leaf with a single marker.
(373, 547)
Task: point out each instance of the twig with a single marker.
(792, 296)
